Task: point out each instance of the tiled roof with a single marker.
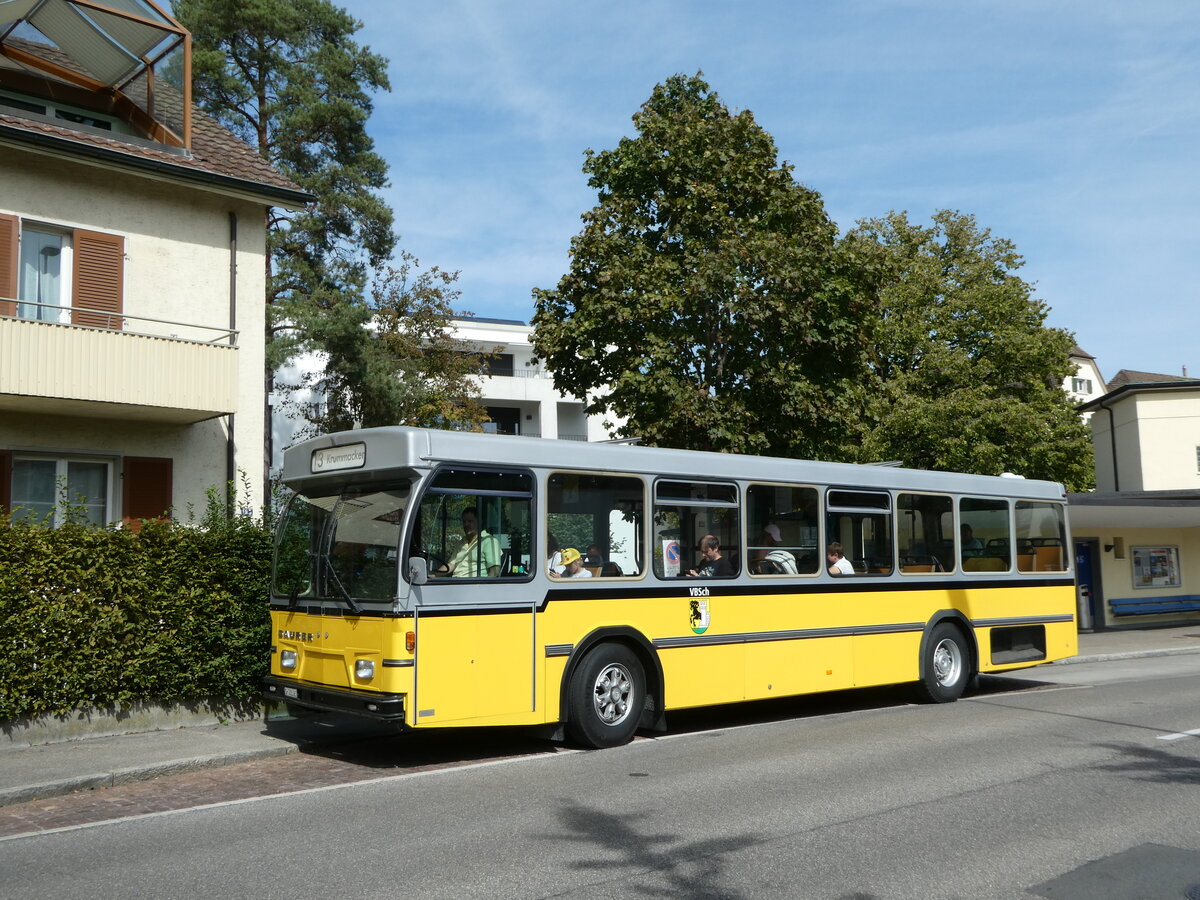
(1078, 352)
(1129, 376)
(215, 151)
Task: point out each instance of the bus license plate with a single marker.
(291, 693)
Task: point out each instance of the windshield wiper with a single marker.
(354, 608)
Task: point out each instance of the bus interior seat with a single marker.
(985, 564)
(595, 570)
(1047, 558)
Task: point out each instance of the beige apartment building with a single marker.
(132, 270)
(1137, 536)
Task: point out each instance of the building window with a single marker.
(61, 274)
(498, 364)
(44, 276)
(53, 491)
(1081, 385)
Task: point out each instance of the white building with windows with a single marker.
(132, 270)
(1085, 383)
(519, 394)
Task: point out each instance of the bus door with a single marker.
(474, 621)
(473, 665)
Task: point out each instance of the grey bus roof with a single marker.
(418, 448)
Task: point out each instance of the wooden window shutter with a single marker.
(98, 280)
(5, 480)
(145, 489)
(10, 261)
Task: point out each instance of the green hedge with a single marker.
(103, 619)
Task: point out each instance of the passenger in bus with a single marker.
(768, 539)
(555, 566)
(611, 570)
(573, 561)
(712, 564)
(593, 557)
(971, 545)
(479, 556)
(838, 564)
(700, 549)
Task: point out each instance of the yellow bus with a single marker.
(434, 578)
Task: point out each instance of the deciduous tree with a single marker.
(966, 375)
(707, 301)
(394, 360)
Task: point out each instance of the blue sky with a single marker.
(1068, 127)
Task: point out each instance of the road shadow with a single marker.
(666, 863)
(1155, 764)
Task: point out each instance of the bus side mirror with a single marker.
(418, 573)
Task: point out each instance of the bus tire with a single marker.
(607, 693)
(946, 667)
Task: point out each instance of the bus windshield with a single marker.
(341, 546)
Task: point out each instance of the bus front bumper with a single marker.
(381, 707)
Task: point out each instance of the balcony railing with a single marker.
(521, 372)
(162, 370)
(52, 313)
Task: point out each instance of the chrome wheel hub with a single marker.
(947, 663)
(613, 687)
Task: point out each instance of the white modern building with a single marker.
(132, 270)
(518, 393)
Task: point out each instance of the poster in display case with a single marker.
(1156, 567)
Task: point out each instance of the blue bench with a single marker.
(1153, 606)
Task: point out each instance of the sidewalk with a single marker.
(48, 770)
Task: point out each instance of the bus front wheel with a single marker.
(946, 667)
(607, 693)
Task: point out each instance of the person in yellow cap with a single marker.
(573, 565)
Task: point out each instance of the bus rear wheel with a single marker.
(946, 667)
(606, 696)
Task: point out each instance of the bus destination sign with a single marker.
(331, 459)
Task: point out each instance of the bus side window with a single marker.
(984, 538)
(685, 513)
(1041, 535)
(475, 524)
(600, 518)
(924, 524)
(781, 527)
(861, 521)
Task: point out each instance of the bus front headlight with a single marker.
(287, 659)
(364, 669)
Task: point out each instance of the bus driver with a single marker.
(479, 556)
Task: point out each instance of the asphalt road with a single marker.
(1071, 782)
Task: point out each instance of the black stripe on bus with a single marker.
(1022, 620)
(684, 589)
(796, 634)
(804, 634)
